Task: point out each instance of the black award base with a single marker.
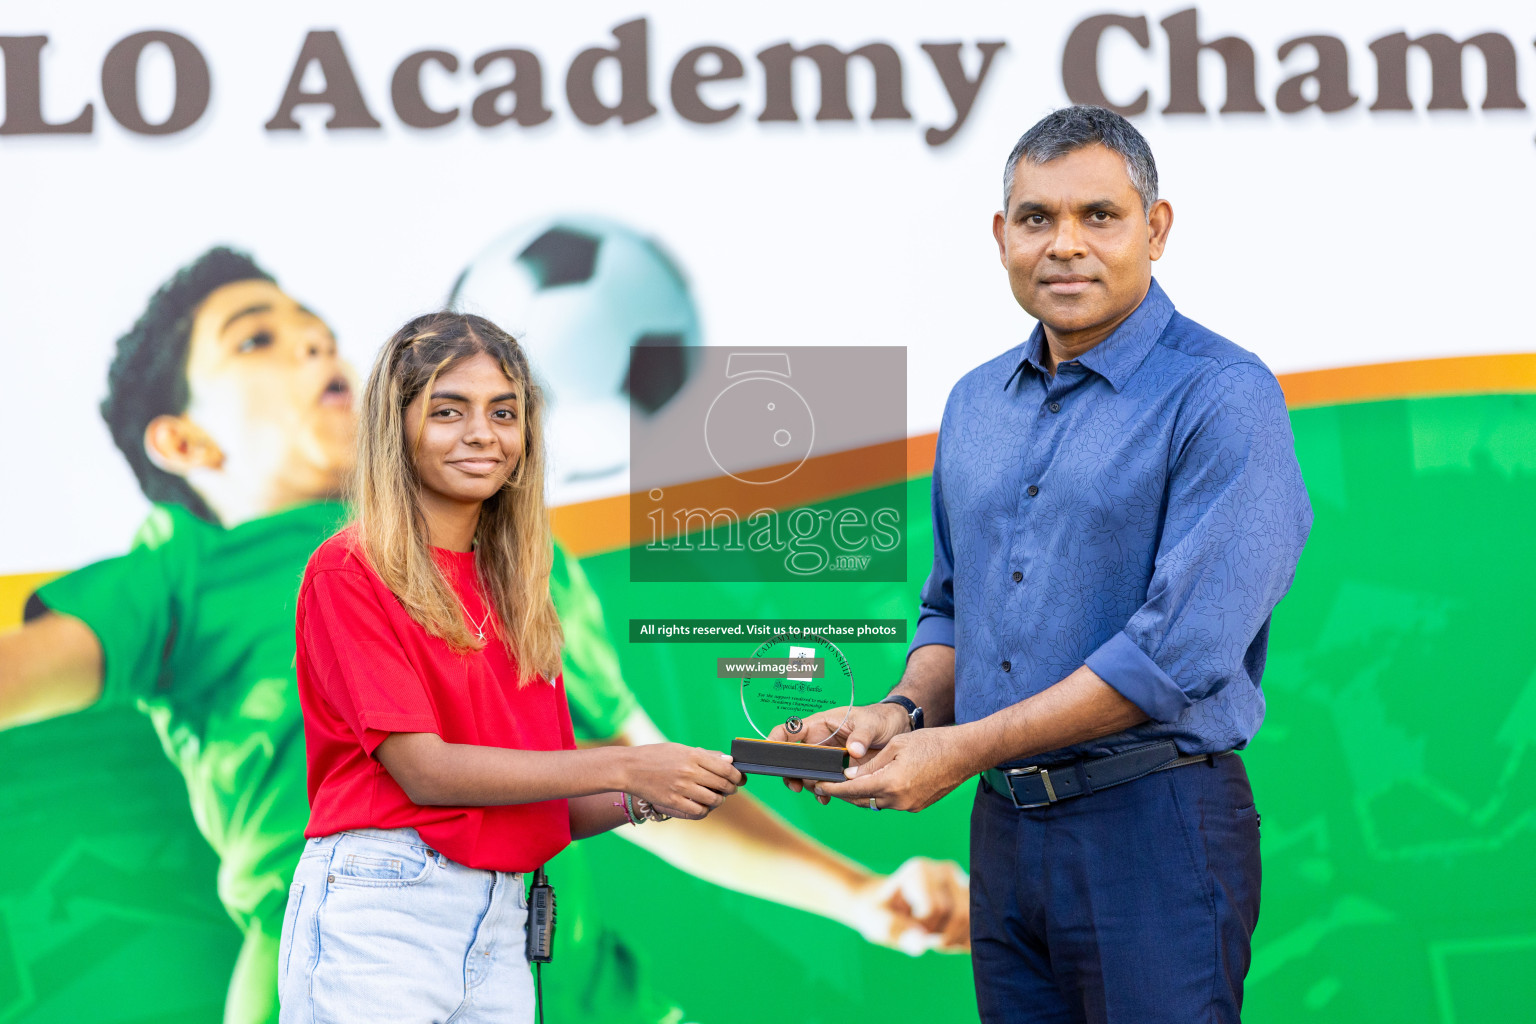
(790, 760)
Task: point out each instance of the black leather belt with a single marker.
(1035, 786)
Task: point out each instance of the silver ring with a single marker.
(872, 805)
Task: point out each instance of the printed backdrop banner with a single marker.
(213, 219)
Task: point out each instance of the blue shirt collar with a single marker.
(1117, 356)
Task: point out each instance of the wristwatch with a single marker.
(914, 713)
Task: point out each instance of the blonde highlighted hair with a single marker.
(513, 547)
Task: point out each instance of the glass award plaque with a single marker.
(785, 681)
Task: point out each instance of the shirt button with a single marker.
(1033, 490)
(1007, 666)
(1017, 576)
(1055, 407)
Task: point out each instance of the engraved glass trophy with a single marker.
(787, 679)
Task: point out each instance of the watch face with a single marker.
(759, 430)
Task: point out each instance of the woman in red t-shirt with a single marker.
(441, 759)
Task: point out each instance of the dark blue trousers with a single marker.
(1133, 905)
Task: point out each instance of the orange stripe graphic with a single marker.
(603, 525)
(1418, 378)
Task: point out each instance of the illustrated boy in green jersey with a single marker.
(232, 406)
(230, 402)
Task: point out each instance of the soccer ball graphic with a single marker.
(577, 292)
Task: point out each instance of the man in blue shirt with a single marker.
(1117, 509)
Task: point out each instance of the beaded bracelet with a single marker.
(648, 811)
(640, 810)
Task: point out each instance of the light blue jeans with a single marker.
(380, 927)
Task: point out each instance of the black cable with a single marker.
(538, 989)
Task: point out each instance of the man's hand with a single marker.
(860, 729)
(913, 771)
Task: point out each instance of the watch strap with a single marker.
(914, 713)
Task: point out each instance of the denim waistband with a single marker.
(405, 836)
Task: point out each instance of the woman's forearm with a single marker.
(596, 814)
(680, 780)
(433, 772)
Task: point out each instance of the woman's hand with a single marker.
(682, 781)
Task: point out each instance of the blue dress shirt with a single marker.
(1141, 512)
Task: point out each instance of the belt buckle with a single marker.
(1045, 779)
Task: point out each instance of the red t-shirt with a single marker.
(367, 669)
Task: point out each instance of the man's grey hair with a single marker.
(1070, 129)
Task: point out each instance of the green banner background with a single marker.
(1394, 774)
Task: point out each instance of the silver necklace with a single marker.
(480, 626)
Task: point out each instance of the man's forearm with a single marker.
(929, 682)
(915, 769)
(1080, 708)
